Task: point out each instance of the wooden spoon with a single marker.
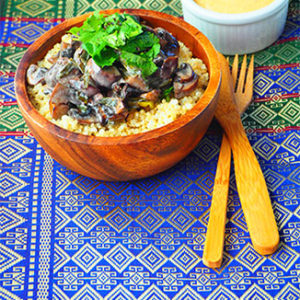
(251, 185)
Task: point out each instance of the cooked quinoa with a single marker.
(137, 121)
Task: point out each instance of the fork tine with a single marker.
(234, 69)
(243, 70)
(243, 98)
(249, 78)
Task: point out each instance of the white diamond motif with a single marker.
(86, 219)
(249, 258)
(266, 147)
(87, 258)
(11, 150)
(10, 184)
(263, 115)
(152, 258)
(185, 258)
(262, 83)
(292, 143)
(119, 257)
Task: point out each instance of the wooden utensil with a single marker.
(251, 185)
(214, 242)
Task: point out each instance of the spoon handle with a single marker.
(214, 242)
(252, 190)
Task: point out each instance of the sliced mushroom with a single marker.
(186, 88)
(59, 110)
(35, 74)
(184, 73)
(169, 67)
(51, 76)
(65, 94)
(58, 103)
(137, 82)
(104, 77)
(152, 96)
(164, 74)
(185, 81)
(168, 42)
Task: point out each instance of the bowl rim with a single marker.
(32, 113)
(236, 18)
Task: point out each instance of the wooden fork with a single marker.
(214, 243)
(213, 249)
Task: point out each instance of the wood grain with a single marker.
(214, 241)
(251, 185)
(135, 156)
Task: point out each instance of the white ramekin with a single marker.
(238, 33)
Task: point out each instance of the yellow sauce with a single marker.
(233, 6)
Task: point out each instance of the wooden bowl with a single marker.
(134, 156)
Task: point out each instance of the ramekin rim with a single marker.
(237, 18)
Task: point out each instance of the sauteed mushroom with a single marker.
(82, 89)
(185, 81)
(59, 100)
(103, 77)
(168, 42)
(35, 74)
(137, 82)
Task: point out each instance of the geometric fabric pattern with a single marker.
(11, 118)
(9, 219)
(12, 150)
(87, 258)
(64, 236)
(8, 258)
(152, 258)
(119, 257)
(29, 33)
(34, 7)
(9, 184)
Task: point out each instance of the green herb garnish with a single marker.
(166, 94)
(118, 37)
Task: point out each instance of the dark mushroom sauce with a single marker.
(91, 88)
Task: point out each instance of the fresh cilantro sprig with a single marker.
(118, 37)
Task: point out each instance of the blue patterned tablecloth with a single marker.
(65, 236)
